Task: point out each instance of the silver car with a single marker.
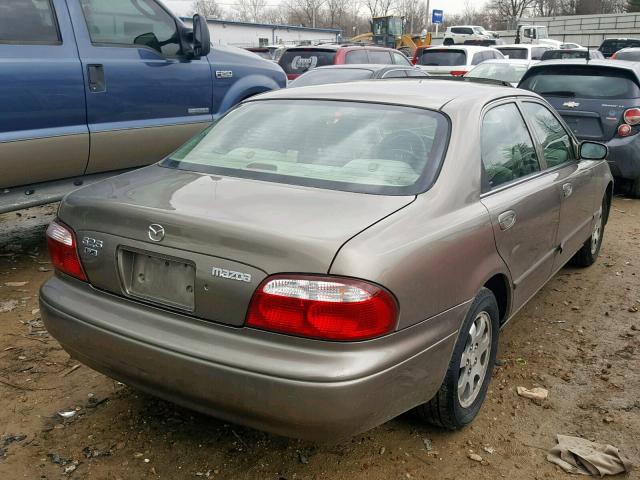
(322, 259)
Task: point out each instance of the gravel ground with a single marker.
(579, 338)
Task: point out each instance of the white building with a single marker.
(246, 34)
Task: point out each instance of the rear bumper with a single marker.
(624, 157)
(286, 385)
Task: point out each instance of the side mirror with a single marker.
(201, 37)
(593, 151)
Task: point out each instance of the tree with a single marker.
(511, 10)
(379, 8)
(207, 8)
(250, 10)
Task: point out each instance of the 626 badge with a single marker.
(92, 246)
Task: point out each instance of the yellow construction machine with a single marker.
(389, 32)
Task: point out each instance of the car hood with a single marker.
(272, 227)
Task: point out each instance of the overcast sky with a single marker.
(181, 7)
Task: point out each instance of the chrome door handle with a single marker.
(567, 190)
(507, 219)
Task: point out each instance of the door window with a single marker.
(395, 74)
(28, 21)
(357, 56)
(555, 140)
(399, 59)
(379, 57)
(479, 58)
(131, 22)
(507, 149)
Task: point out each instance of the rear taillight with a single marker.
(329, 308)
(457, 73)
(62, 249)
(624, 130)
(292, 76)
(632, 116)
(414, 59)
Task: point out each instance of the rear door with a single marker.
(143, 98)
(296, 61)
(43, 124)
(590, 98)
(574, 179)
(522, 199)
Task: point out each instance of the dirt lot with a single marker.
(579, 338)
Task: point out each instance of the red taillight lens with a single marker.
(62, 249)
(632, 116)
(414, 59)
(624, 130)
(329, 308)
(292, 76)
(457, 73)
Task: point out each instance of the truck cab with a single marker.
(535, 34)
(90, 88)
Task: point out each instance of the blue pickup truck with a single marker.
(89, 88)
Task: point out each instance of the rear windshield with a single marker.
(262, 53)
(630, 55)
(564, 54)
(610, 47)
(442, 58)
(331, 75)
(515, 53)
(582, 81)
(349, 146)
(499, 71)
(299, 61)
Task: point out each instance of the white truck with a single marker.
(536, 34)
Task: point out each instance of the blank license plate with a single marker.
(160, 280)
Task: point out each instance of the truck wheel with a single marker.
(466, 382)
(588, 254)
(448, 41)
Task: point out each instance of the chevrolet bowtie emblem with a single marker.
(571, 104)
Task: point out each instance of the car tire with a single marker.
(458, 401)
(634, 188)
(448, 42)
(588, 254)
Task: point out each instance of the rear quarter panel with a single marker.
(439, 251)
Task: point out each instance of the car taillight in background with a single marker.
(414, 59)
(457, 73)
(61, 242)
(631, 118)
(328, 308)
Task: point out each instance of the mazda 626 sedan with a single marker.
(325, 258)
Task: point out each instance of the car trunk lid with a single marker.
(200, 244)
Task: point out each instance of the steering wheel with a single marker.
(405, 146)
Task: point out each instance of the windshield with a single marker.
(582, 81)
(564, 54)
(480, 30)
(298, 61)
(515, 53)
(357, 147)
(442, 58)
(499, 71)
(395, 26)
(331, 75)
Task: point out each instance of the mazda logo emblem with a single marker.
(156, 232)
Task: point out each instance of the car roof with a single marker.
(508, 61)
(526, 46)
(330, 46)
(629, 49)
(466, 26)
(416, 92)
(468, 48)
(623, 64)
(373, 67)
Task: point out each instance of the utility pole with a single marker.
(426, 23)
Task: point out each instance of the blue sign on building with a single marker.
(437, 17)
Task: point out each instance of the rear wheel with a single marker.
(588, 254)
(466, 382)
(448, 41)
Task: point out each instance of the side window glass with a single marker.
(478, 58)
(357, 56)
(456, 30)
(28, 21)
(131, 22)
(468, 31)
(399, 59)
(507, 149)
(395, 74)
(379, 57)
(555, 140)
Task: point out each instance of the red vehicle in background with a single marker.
(297, 60)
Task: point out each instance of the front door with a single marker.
(523, 200)
(43, 123)
(143, 98)
(575, 181)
